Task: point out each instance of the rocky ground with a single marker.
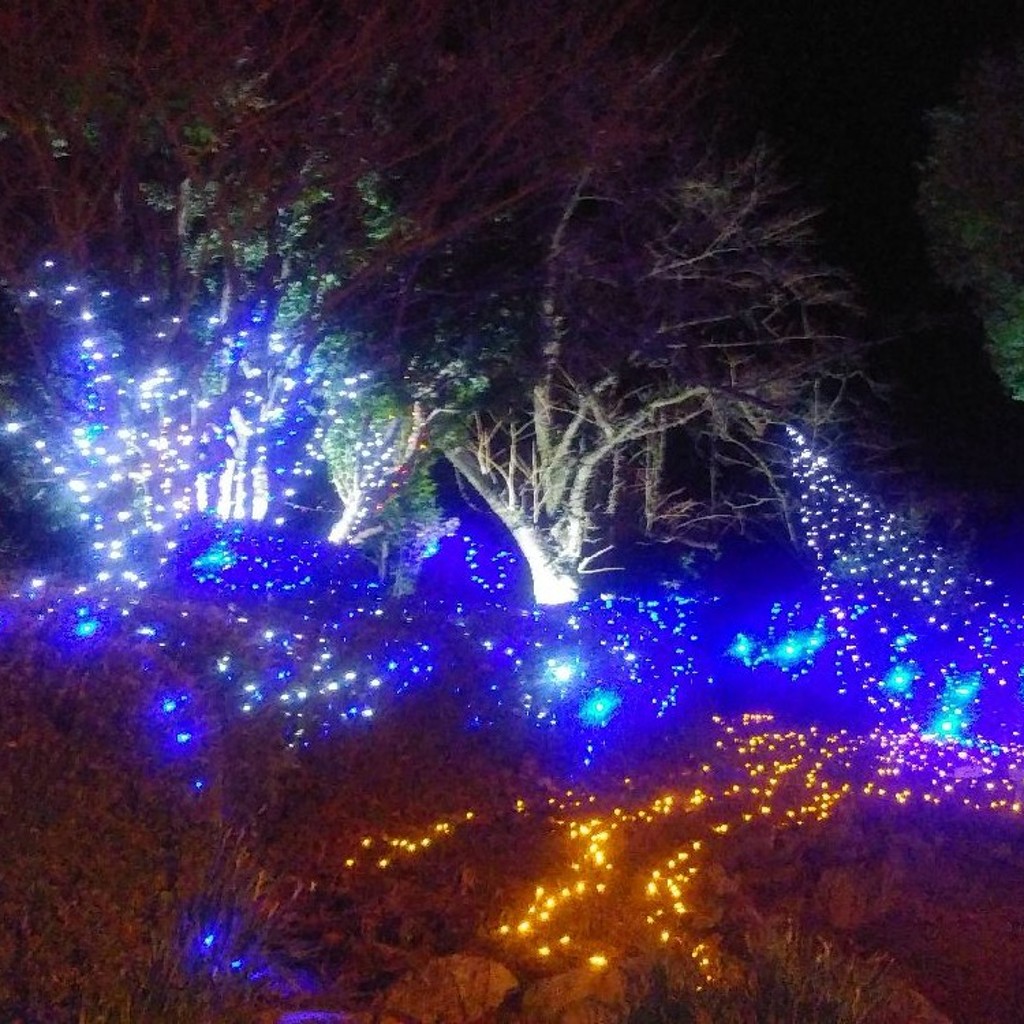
(473, 914)
(416, 871)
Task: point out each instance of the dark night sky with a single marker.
(842, 88)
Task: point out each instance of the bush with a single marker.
(787, 978)
(116, 868)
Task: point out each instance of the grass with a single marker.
(129, 895)
(785, 978)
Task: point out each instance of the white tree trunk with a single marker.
(342, 529)
(551, 585)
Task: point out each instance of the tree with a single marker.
(293, 180)
(970, 203)
(209, 155)
(191, 147)
(365, 226)
(693, 315)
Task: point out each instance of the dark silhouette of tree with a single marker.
(971, 207)
(691, 316)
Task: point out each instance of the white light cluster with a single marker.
(147, 448)
(912, 628)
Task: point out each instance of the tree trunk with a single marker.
(552, 582)
(341, 531)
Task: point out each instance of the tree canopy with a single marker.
(971, 206)
(362, 235)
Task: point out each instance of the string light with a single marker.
(147, 452)
(925, 643)
(918, 660)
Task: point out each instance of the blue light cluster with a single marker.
(170, 481)
(226, 944)
(956, 703)
(599, 707)
(251, 564)
(336, 651)
(785, 647)
(899, 680)
(313, 635)
(310, 632)
(185, 491)
(86, 625)
(146, 446)
(920, 639)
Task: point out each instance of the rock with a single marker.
(843, 897)
(908, 1006)
(449, 990)
(582, 996)
(311, 1017)
(592, 1011)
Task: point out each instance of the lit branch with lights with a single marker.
(924, 640)
(145, 448)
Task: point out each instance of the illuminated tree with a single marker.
(363, 228)
(970, 204)
(296, 169)
(690, 319)
(899, 620)
(141, 449)
(140, 453)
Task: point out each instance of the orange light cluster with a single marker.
(632, 865)
(382, 850)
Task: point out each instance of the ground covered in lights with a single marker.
(252, 774)
(310, 788)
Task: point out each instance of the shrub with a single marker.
(787, 977)
(115, 867)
